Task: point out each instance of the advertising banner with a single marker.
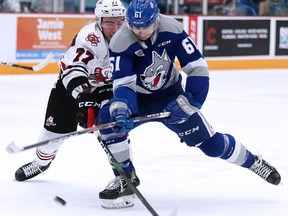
(225, 41)
(193, 25)
(37, 36)
(281, 47)
(236, 37)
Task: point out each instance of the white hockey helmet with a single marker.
(109, 8)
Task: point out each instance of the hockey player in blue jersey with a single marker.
(146, 81)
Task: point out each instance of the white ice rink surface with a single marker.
(251, 105)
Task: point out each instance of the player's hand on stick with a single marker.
(181, 108)
(86, 110)
(120, 113)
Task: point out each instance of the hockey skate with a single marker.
(29, 171)
(265, 171)
(118, 194)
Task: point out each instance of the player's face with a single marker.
(144, 33)
(110, 25)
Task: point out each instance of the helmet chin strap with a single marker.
(98, 25)
(156, 28)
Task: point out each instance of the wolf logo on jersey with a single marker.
(155, 74)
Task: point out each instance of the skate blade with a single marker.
(120, 202)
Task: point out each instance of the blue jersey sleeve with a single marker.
(124, 79)
(194, 65)
(188, 51)
(198, 86)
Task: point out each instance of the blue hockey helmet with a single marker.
(142, 13)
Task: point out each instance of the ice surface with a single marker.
(251, 105)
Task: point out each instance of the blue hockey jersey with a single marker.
(147, 68)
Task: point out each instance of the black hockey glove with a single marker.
(86, 110)
(80, 89)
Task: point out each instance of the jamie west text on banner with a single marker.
(37, 36)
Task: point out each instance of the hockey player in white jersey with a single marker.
(146, 81)
(83, 85)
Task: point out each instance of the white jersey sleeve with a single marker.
(88, 57)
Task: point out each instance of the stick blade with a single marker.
(43, 63)
(12, 148)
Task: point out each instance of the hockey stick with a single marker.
(127, 180)
(13, 148)
(35, 68)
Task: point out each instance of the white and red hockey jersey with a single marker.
(88, 56)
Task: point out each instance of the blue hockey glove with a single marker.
(181, 109)
(120, 113)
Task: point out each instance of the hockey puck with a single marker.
(60, 200)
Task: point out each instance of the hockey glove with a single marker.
(86, 110)
(120, 114)
(181, 109)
